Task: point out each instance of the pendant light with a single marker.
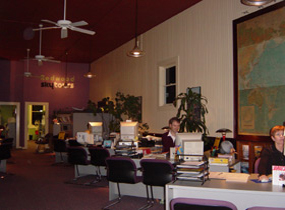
(136, 51)
(89, 74)
(256, 2)
(65, 83)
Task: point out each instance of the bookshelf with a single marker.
(248, 151)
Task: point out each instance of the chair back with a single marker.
(122, 170)
(77, 156)
(74, 143)
(59, 145)
(200, 204)
(5, 151)
(8, 141)
(256, 164)
(98, 156)
(157, 172)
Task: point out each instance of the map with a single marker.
(261, 73)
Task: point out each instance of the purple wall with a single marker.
(5, 80)
(45, 88)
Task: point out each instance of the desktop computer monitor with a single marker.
(96, 128)
(85, 138)
(129, 131)
(193, 147)
(187, 136)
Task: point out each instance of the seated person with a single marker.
(168, 138)
(88, 129)
(272, 155)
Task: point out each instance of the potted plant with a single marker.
(191, 112)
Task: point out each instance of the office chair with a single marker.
(121, 170)
(156, 173)
(74, 143)
(8, 141)
(5, 153)
(98, 158)
(200, 204)
(43, 141)
(60, 147)
(77, 156)
(256, 164)
(264, 208)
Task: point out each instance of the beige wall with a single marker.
(202, 39)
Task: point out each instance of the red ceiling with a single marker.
(112, 20)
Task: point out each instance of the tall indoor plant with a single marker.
(191, 111)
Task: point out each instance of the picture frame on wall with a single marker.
(259, 87)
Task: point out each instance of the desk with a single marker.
(243, 195)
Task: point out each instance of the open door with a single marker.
(10, 120)
(36, 120)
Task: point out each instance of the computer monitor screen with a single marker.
(107, 143)
(85, 138)
(129, 130)
(96, 128)
(187, 136)
(193, 147)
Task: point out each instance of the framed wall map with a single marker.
(259, 71)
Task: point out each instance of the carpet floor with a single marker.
(34, 183)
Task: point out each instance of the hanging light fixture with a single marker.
(89, 73)
(256, 2)
(65, 83)
(136, 51)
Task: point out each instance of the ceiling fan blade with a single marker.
(50, 60)
(82, 30)
(51, 22)
(64, 33)
(45, 28)
(79, 23)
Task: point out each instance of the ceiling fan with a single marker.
(40, 58)
(27, 73)
(67, 24)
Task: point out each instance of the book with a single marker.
(218, 161)
(278, 175)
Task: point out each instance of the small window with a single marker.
(170, 85)
(168, 81)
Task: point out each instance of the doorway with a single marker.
(36, 120)
(10, 120)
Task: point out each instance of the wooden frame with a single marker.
(258, 88)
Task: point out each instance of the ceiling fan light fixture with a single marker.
(256, 2)
(89, 75)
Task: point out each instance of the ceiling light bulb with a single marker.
(89, 75)
(136, 52)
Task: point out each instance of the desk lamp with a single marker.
(224, 131)
(165, 128)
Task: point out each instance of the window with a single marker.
(168, 71)
(170, 84)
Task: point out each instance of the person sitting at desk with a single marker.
(168, 138)
(272, 155)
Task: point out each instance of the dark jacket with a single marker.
(270, 156)
(167, 142)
